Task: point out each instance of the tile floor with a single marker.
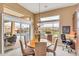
(59, 52)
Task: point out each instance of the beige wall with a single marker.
(66, 15)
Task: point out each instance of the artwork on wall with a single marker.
(66, 29)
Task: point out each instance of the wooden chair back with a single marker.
(26, 41)
(55, 46)
(49, 37)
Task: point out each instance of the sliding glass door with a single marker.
(25, 32)
(15, 30)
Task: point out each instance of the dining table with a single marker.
(32, 43)
(39, 47)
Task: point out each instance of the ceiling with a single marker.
(11, 12)
(34, 7)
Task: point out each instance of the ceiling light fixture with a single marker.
(38, 24)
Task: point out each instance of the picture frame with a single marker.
(65, 29)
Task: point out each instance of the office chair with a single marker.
(65, 42)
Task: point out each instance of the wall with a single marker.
(66, 16)
(76, 17)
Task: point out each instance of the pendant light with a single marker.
(39, 25)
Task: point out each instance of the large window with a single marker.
(49, 24)
(50, 18)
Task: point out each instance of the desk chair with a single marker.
(66, 44)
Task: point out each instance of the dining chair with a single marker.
(25, 42)
(49, 38)
(40, 49)
(26, 51)
(54, 49)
